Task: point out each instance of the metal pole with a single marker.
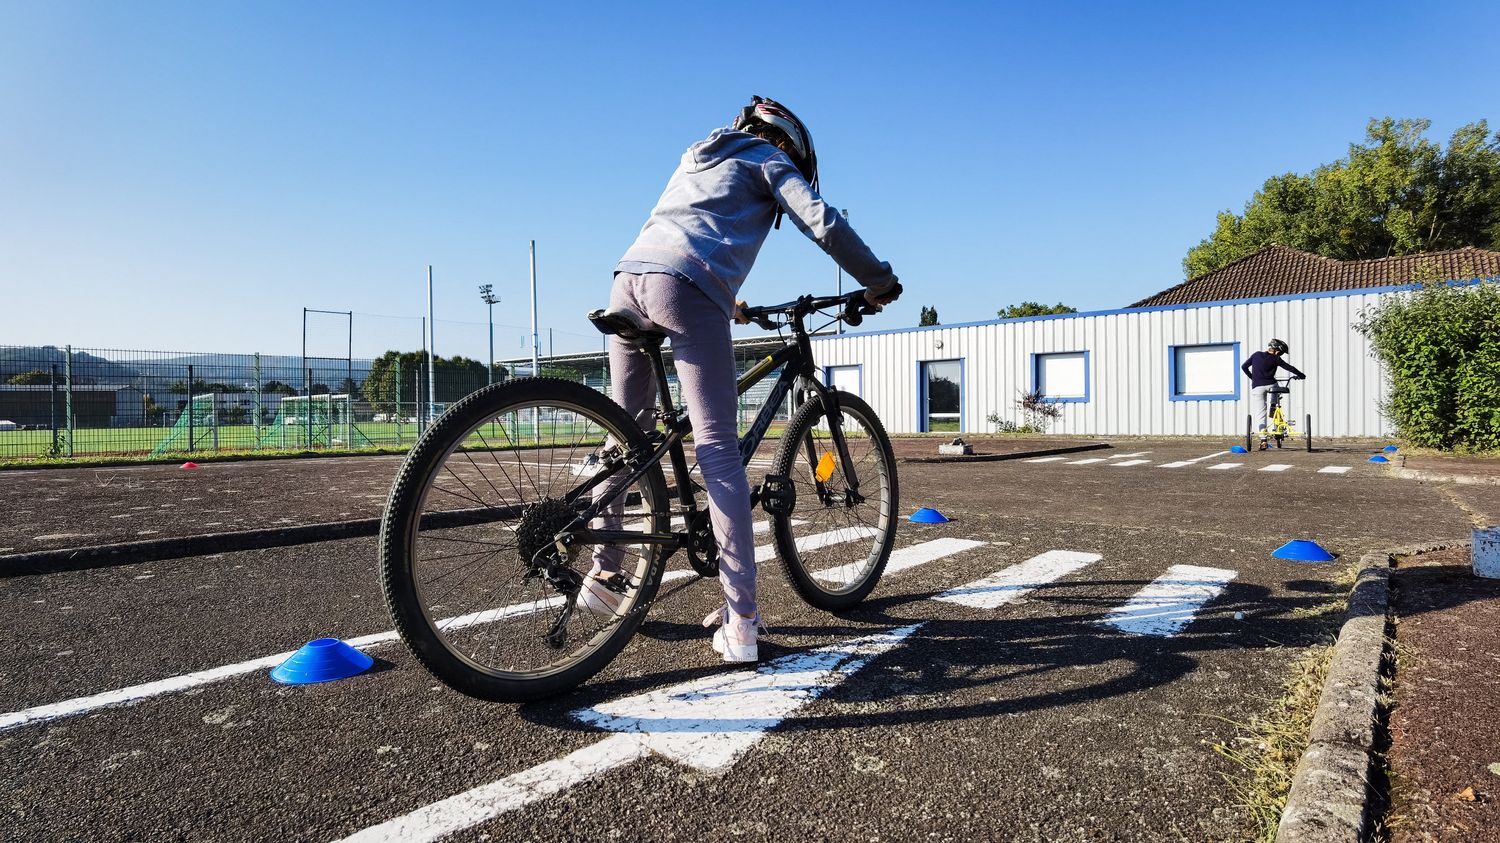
(431, 349)
(535, 370)
(307, 410)
(349, 387)
(68, 382)
(53, 409)
(417, 398)
(257, 401)
(398, 399)
(191, 429)
(840, 328)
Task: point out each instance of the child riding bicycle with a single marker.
(1261, 369)
(683, 275)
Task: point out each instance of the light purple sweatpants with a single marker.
(704, 359)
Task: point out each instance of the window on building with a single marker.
(1205, 372)
(942, 395)
(1061, 376)
(846, 378)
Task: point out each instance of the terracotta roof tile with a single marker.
(1281, 271)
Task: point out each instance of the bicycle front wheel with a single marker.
(479, 587)
(835, 543)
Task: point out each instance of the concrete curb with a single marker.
(1331, 792)
(1017, 455)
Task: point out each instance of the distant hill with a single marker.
(87, 368)
(240, 368)
(237, 369)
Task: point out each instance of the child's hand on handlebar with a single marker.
(885, 298)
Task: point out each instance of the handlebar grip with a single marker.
(855, 310)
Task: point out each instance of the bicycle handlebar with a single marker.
(854, 307)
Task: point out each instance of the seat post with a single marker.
(659, 367)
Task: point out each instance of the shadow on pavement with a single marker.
(951, 658)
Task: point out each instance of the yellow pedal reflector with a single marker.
(825, 467)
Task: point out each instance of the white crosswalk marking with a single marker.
(1334, 469)
(1276, 466)
(906, 557)
(1089, 461)
(705, 723)
(1129, 463)
(1168, 604)
(1015, 582)
(1128, 456)
(1225, 466)
(1177, 464)
(1047, 459)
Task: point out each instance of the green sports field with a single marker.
(26, 444)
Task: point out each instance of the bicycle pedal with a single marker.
(777, 495)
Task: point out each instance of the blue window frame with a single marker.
(1066, 387)
(1204, 372)
(940, 395)
(859, 377)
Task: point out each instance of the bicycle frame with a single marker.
(795, 360)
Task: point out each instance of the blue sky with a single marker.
(190, 176)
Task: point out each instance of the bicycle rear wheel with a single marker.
(469, 564)
(835, 558)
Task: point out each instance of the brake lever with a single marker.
(856, 309)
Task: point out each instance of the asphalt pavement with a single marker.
(1054, 664)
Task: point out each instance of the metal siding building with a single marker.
(1130, 366)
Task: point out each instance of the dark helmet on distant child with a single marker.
(1278, 346)
(763, 113)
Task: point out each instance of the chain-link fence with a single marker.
(62, 401)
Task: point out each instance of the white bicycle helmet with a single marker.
(767, 112)
(1278, 346)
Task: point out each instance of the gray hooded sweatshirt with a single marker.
(718, 208)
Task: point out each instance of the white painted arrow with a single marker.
(707, 723)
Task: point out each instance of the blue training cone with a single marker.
(1238, 449)
(322, 660)
(1379, 458)
(1390, 449)
(929, 516)
(1302, 550)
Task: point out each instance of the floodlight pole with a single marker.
(535, 365)
(487, 295)
(840, 328)
(431, 349)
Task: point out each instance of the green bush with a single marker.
(1441, 346)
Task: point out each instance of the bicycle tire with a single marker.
(402, 527)
(803, 564)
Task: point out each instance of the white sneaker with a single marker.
(603, 594)
(737, 637)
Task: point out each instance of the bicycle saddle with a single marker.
(627, 325)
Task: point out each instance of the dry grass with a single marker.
(1268, 747)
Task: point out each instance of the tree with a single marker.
(929, 317)
(1031, 308)
(1397, 193)
(31, 378)
(455, 378)
(278, 388)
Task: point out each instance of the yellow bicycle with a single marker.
(1278, 426)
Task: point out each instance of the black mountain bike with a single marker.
(504, 504)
